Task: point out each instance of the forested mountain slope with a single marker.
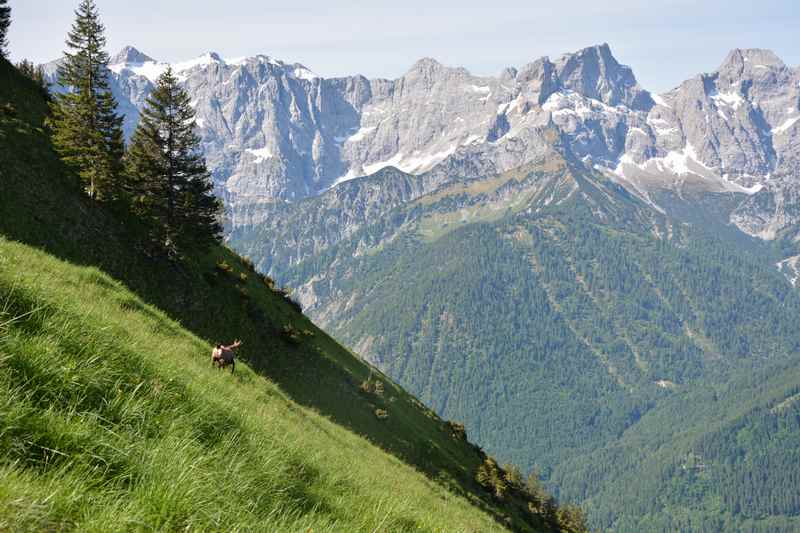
(644, 358)
(110, 397)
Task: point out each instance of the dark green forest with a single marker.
(647, 370)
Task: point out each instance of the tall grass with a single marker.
(111, 418)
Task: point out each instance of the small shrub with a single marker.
(486, 472)
(8, 109)
(514, 477)
(491, 477)
(248, 264)
(291, 334)
(370, 386)
(534, 488)
(268, 281)
(571, 518)
(224, 267)
(366, 387)
(243, 277)
(457, 430)
(308, 333)
(243, 294)
(381, 414)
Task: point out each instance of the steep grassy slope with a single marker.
(111, 414)
(578, 330)
(216, 297)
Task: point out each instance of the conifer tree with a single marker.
(5, 22)
(168, 181)
(87, 132)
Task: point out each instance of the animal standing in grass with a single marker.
(223, 356)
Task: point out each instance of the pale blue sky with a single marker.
(664, 41)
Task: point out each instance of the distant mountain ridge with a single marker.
(276, 131)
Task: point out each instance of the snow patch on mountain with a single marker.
(472, 139)
(153, 69)
(665, 384)
(785, 126)
(361, 133)
(351, 175)
(302, 73)
(666, 171)
(661, 126)
(485, 89)
(660, 100)
(731, 99)
(571, 103)
(790, 267)
(209, 58)
(261, 154)
(414, 163)
(149, 69)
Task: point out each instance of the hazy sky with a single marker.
(665, 41)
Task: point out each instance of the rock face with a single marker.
(130, 56)
(275, 131)
(594, 73)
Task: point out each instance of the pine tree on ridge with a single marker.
(87, 131)
(167, 179)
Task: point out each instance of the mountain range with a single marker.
(274, 131)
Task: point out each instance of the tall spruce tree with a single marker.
(168, 181)
(87, 131)
(5, 22)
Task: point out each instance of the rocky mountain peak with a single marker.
(594, 72)
(427, 73)
(129, 55)
(426, 65)
(763, 79)
(508, 74)
(741, 59)
(539, 79)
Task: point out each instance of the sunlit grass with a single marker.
(111, 417)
